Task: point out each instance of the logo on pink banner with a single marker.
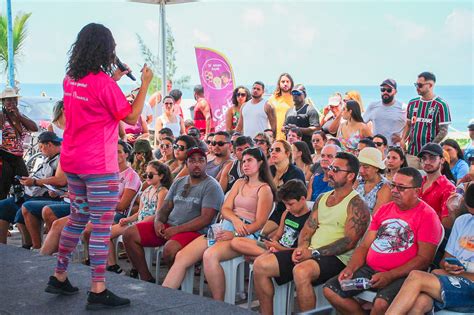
(217, 78)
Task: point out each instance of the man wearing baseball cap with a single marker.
(388, 115)
(13, 126)
(189, 208)
(302, 116)
(469, 149)
(436, 188)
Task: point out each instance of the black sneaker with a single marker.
(115, 268)
(57, 287)
(133, 273)
(105, 299)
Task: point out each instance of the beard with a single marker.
(388, 100)
(335, 184)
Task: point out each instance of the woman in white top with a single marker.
(59, 121)
(169, 119)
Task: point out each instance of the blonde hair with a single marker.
(354, 95)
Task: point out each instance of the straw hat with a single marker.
(9, 92)
(371, 156)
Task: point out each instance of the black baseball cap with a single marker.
(390, 82)
(49, 136)
(431, 148)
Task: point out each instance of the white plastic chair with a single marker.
(369, 296)
(234, 271)
(188, 282)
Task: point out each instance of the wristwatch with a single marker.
(315, 253)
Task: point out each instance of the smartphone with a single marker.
(454, 261)
(261, 244)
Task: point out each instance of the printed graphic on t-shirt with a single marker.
(289, 236)
(467, 243)
(393, 236)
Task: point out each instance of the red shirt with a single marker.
(437, 194)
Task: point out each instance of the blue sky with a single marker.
(318, 42)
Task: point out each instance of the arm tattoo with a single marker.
(443, 131)
(165, 211)
(356, 225)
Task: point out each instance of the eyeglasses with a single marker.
(388, 90)
(193, 134)
(259, 141)
(179, 147)
(277, 150)
(296, 93)
(420, 85)
(165, 146)
(336, 169)
(400, 188)
(219, 143)
(241, 94)
(379, 144)
(150, 175)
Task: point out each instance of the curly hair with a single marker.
(234, 95)
(93, 51)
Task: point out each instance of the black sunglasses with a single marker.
(179, 147)
(296, 93)
(277, 150)
(259, 141)
(379, 144)
(150, 175)
(388, 90)
(219, 143)
(419, 85)
(241, 94)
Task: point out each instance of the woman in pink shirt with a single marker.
(93, 105)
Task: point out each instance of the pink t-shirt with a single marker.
(129, 179)
(93, 107)
(398, 234)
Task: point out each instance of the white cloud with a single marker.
(201, 36)
(253, 17)
(407, 29)
(459, 24)
(152, 26)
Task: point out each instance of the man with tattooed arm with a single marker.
(338, 221)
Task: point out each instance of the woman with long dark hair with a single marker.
(302, 158)
(459, 168)
(353, 128)
(245, 210)
(240, 95)
(395, 160)
(94, 105)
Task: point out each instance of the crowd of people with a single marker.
(314, 198)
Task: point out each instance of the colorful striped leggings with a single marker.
(93, 197)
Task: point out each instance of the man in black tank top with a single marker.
(232, 171)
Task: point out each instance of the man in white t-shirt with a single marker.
(388, 115)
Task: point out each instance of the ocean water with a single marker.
(460, 98)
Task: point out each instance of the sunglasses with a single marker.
(150, 175)
(193, 134)
(419, 85)
(277, 150)
(139, 152)
(179, 147)
(208, 142)
(219, 143)
(259, 141)
(165, 146)
(401, 188)
(316, 140)
(388, 90)
(296, 93)
(241, 94)
(336, 169)
(379, 144)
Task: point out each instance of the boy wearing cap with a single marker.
(189, 207)
(436, 188)
(388, 115)
(13, 128)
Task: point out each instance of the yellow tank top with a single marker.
(281, 104)
(331, 221)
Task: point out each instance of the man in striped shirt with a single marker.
(428, 118)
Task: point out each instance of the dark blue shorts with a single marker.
(60, 209)
(11, 211)
(457, 294)
(35, 207)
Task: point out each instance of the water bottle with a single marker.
(355, 284)
(211, 239)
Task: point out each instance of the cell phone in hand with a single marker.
(454, 261)
(261, 244)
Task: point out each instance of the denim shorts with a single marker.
(457, 294)
(228, 226)
(35, 207)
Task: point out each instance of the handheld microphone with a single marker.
(122, 67)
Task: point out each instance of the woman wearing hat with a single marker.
(13, 126)
(371, 185)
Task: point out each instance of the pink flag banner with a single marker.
(217, 78)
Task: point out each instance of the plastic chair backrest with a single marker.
(132, 202)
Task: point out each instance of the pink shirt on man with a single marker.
(398, 234)
(93, 107)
